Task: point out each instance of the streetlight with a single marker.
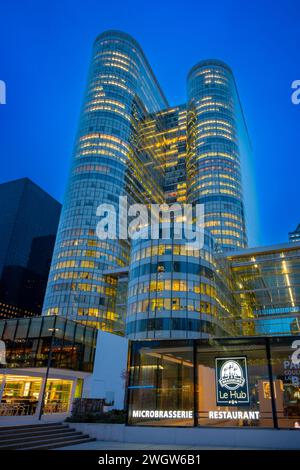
(53, 330)
(3, 364)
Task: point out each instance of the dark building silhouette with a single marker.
(28, 225)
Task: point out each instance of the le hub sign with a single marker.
(232, 381)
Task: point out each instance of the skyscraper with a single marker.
(28, 225)
(213, 156)
(131, 143)
(121, 91)
(295, 235)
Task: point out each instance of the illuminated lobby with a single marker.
(184, 383)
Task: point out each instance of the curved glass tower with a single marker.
(121, 90)
(214, 116)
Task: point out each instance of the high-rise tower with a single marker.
(213, 156)
(121, 90)
(131, 143)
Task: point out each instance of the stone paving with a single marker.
(113, 445)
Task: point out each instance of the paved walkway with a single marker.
(113, 445)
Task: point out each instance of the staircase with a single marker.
(40, 437)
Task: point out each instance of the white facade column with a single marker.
(2, 384)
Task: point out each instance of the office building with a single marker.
(295, 235)
(176, 292)
(213, 157)
(266, 285)
(29, 221)
(130, 142)
(214, 328)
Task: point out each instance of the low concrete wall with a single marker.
(202, 437)
(28, 420)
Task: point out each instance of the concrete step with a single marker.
(73, 442)
(33, 432)
(23, 427)
(38, 437)
(45, 442)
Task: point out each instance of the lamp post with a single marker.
(53, 330)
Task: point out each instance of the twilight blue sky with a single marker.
(45, 51)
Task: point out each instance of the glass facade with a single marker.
(266, 284)
(57, 396)
(21, 394)
(161, 380)
(177, 292)
(285, 360)
(131, 143)
(295, 235)
(227, 382)
(64, 348)
(28, 225)
(259, 401)
(163, 138)
(28, 342)
(106, 164)
(213, 151)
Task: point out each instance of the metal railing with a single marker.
(16, 409)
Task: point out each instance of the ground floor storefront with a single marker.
(221, 383)
(44, 363)
(23, 390)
